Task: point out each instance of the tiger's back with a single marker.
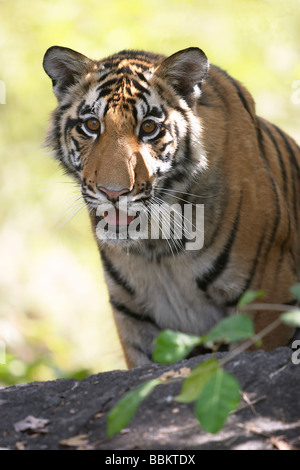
(173, 131)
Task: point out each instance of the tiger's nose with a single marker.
(112, 194)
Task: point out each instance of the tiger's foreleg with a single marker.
(137, 334)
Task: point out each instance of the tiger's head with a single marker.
(127, 125)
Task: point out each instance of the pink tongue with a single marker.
(116, 217)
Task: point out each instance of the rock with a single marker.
(72, 414)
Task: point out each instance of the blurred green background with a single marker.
(55, 319)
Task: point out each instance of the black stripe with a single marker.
(156, 112)
(107, 84)
(104, 92)
(123, 70)
(87, 109)
(243, 99)
(295, 165)
(187, 155)
(178, 176)
(160, 135)
(114, 100)
(221, 262)
(81, 106)
(214, 83)
(77, 145)
(164, 146)
(177, 133)
(133, 55)
(135, 316)
(70, 123)
(274, 187)
(239, 92)
(131, 100)
(81, 132)
(105, 110)
(279, 155)
(126, 81)
(140, 96)
(140, 63)
(140, 87)
(110, 64)
(134, 113)
(233, 302)
(104, 77)
(178, 173)
(172, 176)
(66, 106)
(181, 111)
(289, 149)
(115, 274)
(142, 77)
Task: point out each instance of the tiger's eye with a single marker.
(149, 126)
(92, 124)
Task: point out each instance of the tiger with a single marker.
(157, 132)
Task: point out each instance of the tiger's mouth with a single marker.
(115, 223)
(117, 218)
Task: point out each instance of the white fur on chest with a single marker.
(167, 290)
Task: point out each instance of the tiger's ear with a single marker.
(185, 71)
(63, 65)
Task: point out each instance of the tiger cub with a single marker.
(193, 198)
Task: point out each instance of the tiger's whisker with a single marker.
(74, 204)
(76, 211)
(188, 194)
(73, 183)
(183, 216)
(181, 199)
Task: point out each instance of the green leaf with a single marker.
(172, 346)
(249, 296)
(220, 396)
(122, 413)
(231, 329)
(199, 376)
(295, 290)
(291, 318)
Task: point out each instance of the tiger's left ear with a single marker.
(185, 71)
(64, 66)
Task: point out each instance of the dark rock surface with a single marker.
(73, 412)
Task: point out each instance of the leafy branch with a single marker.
(216, 393)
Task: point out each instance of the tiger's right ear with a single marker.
(185, 71)
(64, 66)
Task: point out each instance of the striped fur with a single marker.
(208, 147)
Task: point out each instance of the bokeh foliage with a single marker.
(54, 313)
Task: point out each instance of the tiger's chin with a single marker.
(120, 242)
